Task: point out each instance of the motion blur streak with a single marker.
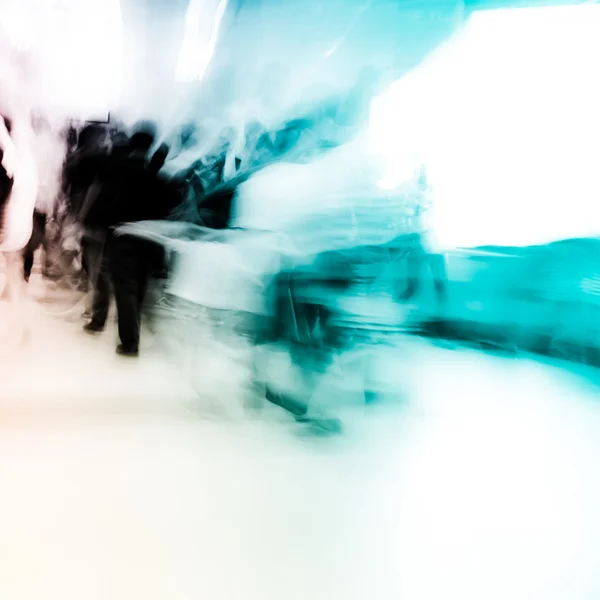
(203, 21)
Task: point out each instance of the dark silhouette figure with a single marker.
(133, 192)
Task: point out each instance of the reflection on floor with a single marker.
(481, 481)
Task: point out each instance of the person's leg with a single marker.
(98, 261)
(129, 280)
(101, 296)
(35, 241)
(28, 257)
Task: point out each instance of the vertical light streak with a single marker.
(202, 26)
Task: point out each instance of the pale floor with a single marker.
(483, 482)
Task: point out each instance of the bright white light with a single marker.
(15, 25)
(506, 117)
(77, 46)
(394, 133)
(91, 54)
(202, 25)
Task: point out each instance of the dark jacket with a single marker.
(130, 191)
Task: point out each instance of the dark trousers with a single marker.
(123, 266)
(38, 238)
(129, 267)
(96, 258)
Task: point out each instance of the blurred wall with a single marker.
(293, 49)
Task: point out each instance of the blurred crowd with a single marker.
(95, 177)
(92, 178)
(113, 174)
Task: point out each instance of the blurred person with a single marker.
(7, 164)
(18, 159)
(420, 252)
(138, 195)
(101, 212)
(50, 152)
(95, 219)
(37, 240)
(301, 322)
(17, 204)
(81, 166)
(69, 135)
(82, 172)
(301, 326)
(143, 196)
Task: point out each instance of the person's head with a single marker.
(90, 137)
(142, 137)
